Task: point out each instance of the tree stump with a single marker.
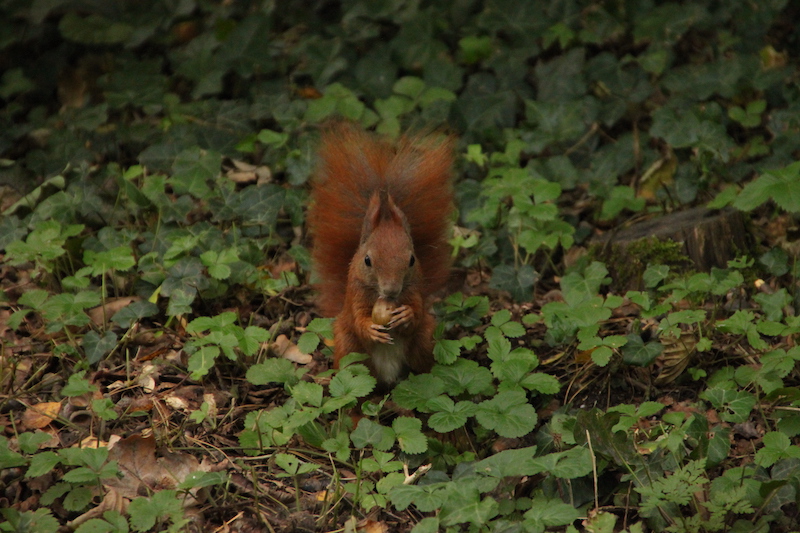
(705, 238)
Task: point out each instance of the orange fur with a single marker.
(354, 169)
(352, 165)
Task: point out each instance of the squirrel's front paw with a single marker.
(401, 315)
(378, 334)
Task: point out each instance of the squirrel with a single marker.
(380, 217)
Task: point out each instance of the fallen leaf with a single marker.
(283, 347)
(373, 526)
(101, 314)
(144, 470)
(40, 415)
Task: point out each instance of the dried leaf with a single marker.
(101, 314)
(40, 415)
(283, 347)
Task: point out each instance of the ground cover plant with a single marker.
(163, 368)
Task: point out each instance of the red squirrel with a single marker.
(380, 217)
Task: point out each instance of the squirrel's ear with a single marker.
(372, 216)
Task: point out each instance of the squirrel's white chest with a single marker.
(388, 360)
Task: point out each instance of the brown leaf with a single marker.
(101, 314)
(283, 347)
(373, 526)
(40, 415)
(143, 470)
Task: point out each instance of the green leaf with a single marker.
(446, 351)
(546, 512)
(192, 169)
(463, 375)
(119, 258)
(77, 499)
(637, 352)
(427, 525)
(735, 406)
(621, 198)
(30, 442)
(519, 282)
(133, 312)
(96, 347)
(447, 415)
(308, 342)
(508, 413)
(416, 391)
(307, 393)
(77, 385)
(272, 371)
(782, 186)
(293, 465)
(201, 361)
(409, 434)
(369, 433)
(113, 522)
(145, 512)
(93, 29)
(219, 263)
(41, 463)
(104, 408)
(541, 383)
(339, 445)
(349, 385)
(475, 49)
(465, 505)
(39, 521)
(777, 446)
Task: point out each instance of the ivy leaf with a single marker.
(133, 312)
(96, 347)
(192, 169)
(637, 352)
(734, 406)
(519, 282)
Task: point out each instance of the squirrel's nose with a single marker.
(391, 291)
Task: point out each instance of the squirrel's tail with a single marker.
(352, 164)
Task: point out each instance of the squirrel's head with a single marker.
(385, 258)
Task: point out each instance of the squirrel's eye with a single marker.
(367, 261)
(412, 261)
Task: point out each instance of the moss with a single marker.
(627, 263)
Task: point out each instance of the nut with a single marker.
(382, 312)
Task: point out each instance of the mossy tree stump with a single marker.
(697, 239)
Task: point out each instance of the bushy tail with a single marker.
(414, 171)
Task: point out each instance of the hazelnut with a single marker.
(382, 312)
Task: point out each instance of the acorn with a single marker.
(382, 312)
